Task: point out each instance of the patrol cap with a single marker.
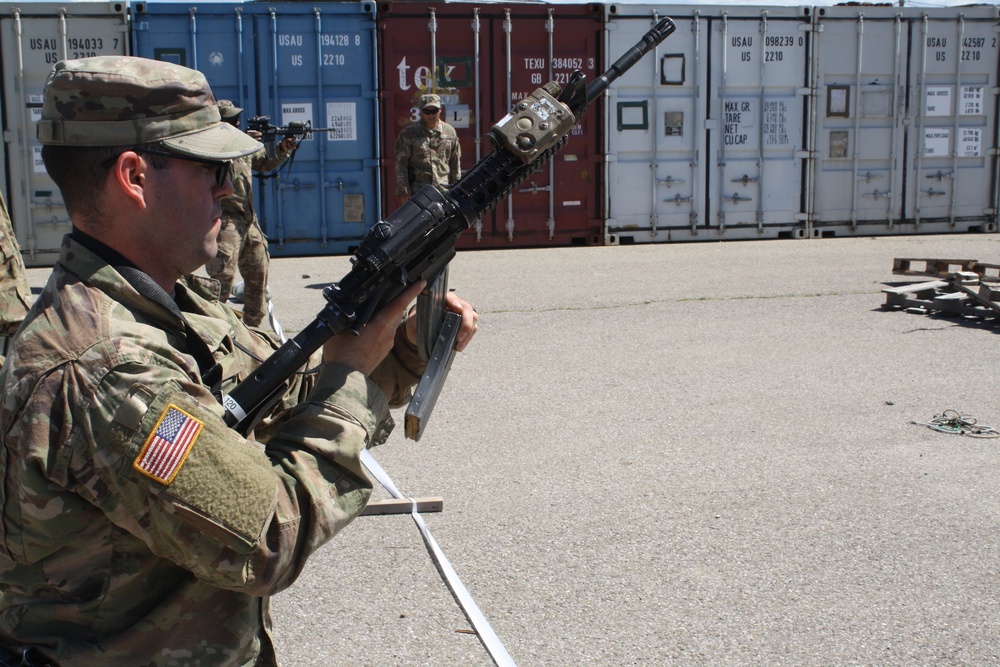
(228, 110)
(430, 101)
(124, 101)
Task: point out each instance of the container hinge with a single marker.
(803, 155)
(801, 217)
(993, 151)
(805, 91)
(609, 158)
(8, 136)
(995, 90)
(711, 123)
(140, 26)
(808, 27)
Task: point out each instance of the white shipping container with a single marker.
(904, 121)
(706, 140)
(33, 37)
(951, 182)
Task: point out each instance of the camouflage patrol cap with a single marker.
(228, 110)
(124, 101)
(430, 101)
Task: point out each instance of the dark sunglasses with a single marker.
(429, 112)
(223, 167)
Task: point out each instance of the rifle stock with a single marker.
(417, 241)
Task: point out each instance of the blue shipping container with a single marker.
(290, 62)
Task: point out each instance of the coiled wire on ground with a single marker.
(951, 421)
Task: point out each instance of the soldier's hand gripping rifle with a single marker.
(417, 241)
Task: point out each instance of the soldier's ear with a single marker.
(129, 176)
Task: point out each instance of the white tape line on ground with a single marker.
(489, 638)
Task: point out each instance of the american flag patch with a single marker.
(168, 445)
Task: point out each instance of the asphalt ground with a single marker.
(683, 454)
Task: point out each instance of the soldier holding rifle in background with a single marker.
(241, 240)
(137, 528)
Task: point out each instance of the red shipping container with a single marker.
(488, 57)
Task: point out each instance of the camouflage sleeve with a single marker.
(455, 163)
(260, 161)
(15, 294)
(404, 149)
(238, 515)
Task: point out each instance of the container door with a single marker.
(758, 85)
(411, 42)
(561, 203)
(859, 68)
(655, 129)
(316, 64)
(953, 75)
(215, 39)
(487, 57)
(33, 37)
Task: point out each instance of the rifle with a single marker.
(417, 241)
(269, 133)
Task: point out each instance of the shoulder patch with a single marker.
(168, 446)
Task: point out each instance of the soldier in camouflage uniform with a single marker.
(15, 295)
(427, 151)
(137, 528)
(241, 241)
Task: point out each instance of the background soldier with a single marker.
(242, 243)
(427, 151)
(15, 294)
(138, 529)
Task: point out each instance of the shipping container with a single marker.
(481, 59)
(291, 62)
(33, 37)
(951, 182)
(706, 138)
(904, 120)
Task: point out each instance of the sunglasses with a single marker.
(429, 112)
(223, 167)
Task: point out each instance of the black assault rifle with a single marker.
(417, 241)
(269, 133)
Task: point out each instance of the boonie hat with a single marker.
(228, 110)
(430, 101)
(124, 101)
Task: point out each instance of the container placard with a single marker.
(740, 118)
(938, 101)
(972, 101)
(936, 141)
(970, 142)
(343, 118)
(776, 123)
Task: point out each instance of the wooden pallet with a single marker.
(971, 288)
(936, 268)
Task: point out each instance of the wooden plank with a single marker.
(916, 288)
(403, 506)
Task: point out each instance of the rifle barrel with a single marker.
(659, 32)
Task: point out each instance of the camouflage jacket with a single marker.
(15, 295)
(238, 207)
(136, 527)
(426, 156)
